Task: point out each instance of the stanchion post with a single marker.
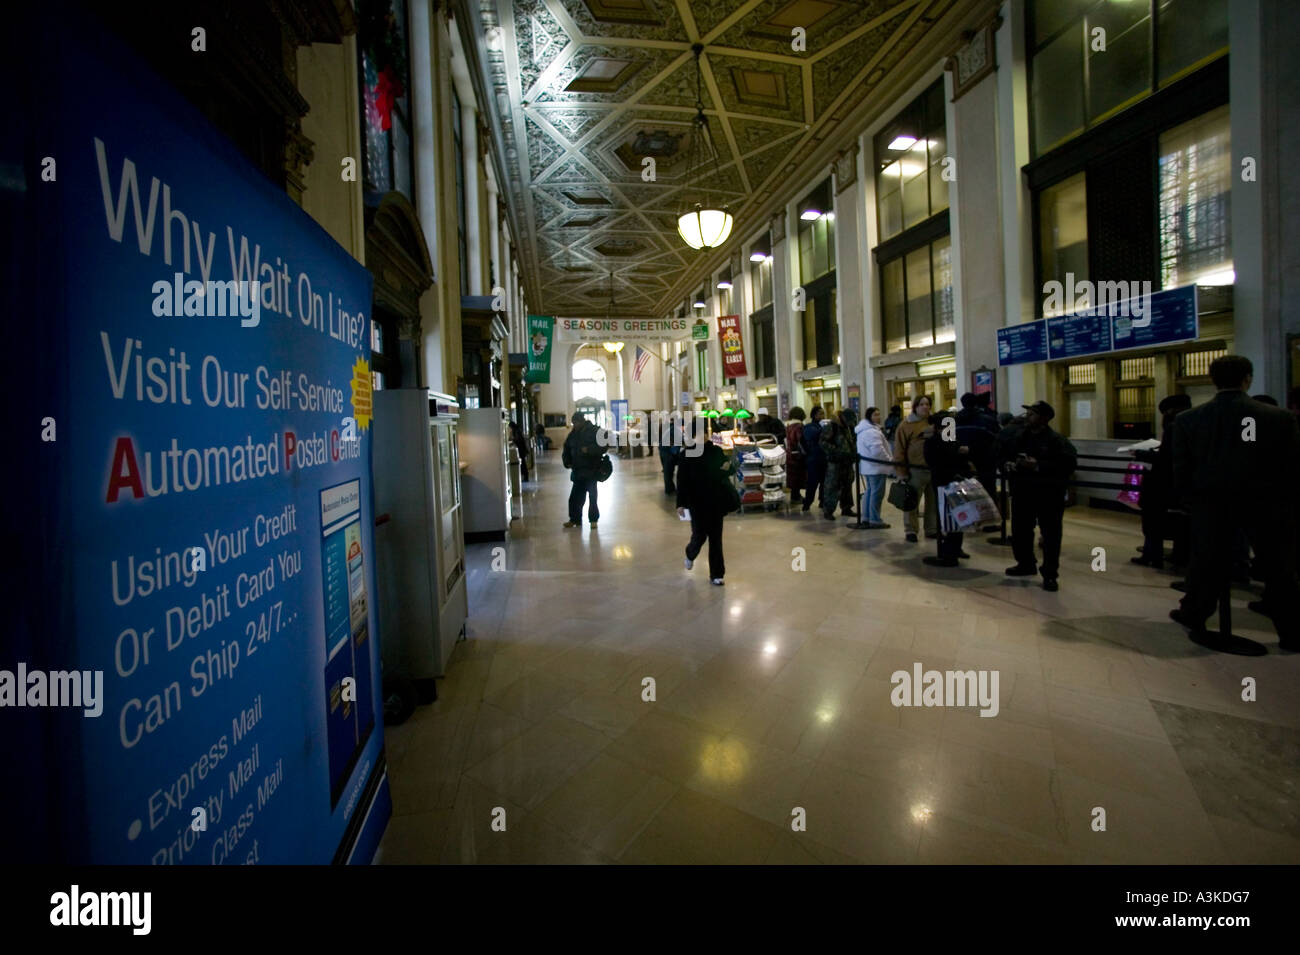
(1002, 506)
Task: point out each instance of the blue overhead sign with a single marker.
(1018, 344)
(1072, 336)
(1165, 318)
(1171, 317)
(208, 499)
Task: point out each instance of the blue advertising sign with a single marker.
(209, 492)
(1172, 317)
(1018, 344)
(1071, 336)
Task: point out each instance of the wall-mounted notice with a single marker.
(209, 493)
(1018, 344)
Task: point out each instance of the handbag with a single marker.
(965, 503)
(903, 496)
(604, 468)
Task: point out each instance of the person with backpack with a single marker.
(840, 445)
(796, 464)
(706, 489)
(582, 455)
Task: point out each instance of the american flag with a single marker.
(642, 359)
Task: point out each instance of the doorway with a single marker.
(942, 391)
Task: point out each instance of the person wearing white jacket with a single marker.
(873, 446)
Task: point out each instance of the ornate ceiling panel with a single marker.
(593, 87)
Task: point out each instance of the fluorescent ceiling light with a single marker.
(903, 142)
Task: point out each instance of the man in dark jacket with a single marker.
(1040, 463)
(582, 453)
(948, 460)
(1157, 487)
(670, 445)
(766, 424)
(977, 430)
(704, 486)
(814, 456)
(1237, 465)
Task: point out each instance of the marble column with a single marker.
(852, 272)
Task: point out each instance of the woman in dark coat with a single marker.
(948, 461)
(796, 469)
(704, 486)
(810, 439)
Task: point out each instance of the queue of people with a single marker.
(1220, 484)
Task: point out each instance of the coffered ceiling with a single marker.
(585, 89)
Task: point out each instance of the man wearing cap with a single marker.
(1039, 462)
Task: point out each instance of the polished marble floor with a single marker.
(772, 737)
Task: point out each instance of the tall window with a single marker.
(762, 342)
(916, 294)
(701, 366)
(459, 149)
(1063, 233)
(819, 326)
(385, 85)
(1090, 59)
(915, 254)
(1195, 188)
(1189, 190)
(909, 164)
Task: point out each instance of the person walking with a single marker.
(705, 489)
(810, 439)
(909, 452)
(948, 461)
(875, 464)
(796, 469)
(1236, 463)
(582, 454)
(1157, 486)
(1040, 463)
(841, 453)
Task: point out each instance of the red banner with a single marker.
(733, 346)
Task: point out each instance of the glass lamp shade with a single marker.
(613, 347)
(704, 228)
(742, 413)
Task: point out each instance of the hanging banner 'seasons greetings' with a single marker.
(637, 330)
(733, 347)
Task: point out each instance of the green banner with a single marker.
(541, 329)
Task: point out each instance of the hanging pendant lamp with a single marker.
(705, 224)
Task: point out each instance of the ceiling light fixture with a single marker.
(724, 284)
(704, 224)
(903, 142)
(757, 257)
(810, 215)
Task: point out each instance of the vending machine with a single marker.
(485, 452)
(422, 563)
